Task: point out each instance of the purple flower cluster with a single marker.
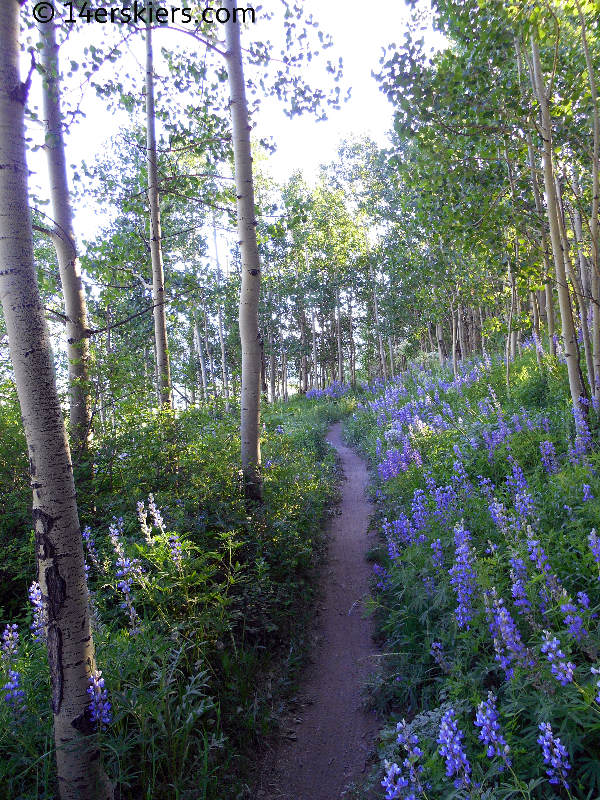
(175, 550)
(383, 575)
(518, 574)
(10, 643)
(397, 461)
(37, 626)
(420, 511)
(490, 735)
(437, 556)
(573, 620)
(548, 452)
(142, 516)
(587, 493)
(155, 514)
(99, 706)
(463, 576)
(90, 545)
(516, 481)
(438, 655)
(452, 751)
(127, 570)
(561, 669)
(14, 696)
(555, 754)
(594, 543)
(507, 639)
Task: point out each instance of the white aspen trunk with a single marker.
(315, 375)
(200, 351)
(536, 326)
(158, 276)
(63, 236)
(576, 384)
(377, 331)
(482, 334)
(58, 542)
(273, 366)
(454, 343)
(461, 332)
(339, 338)
(220, 315)
(577, 288)
(439, 335)
(391, 349)
(250, 290)
(352, 348)
(594, 222)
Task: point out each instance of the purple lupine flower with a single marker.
(142, 516)
(555, 754)
(587, 493)
(429, 584)
(438, 655)
(37, 626)
(437, 555)
(507, 638)
(561, 669)
(518, 574)
(91, 546)
(420, 512)
(524, 505)
(452, 751)
(460, 479)
(10, 643)
(548, 452)
(155, 514)
(394, 781)
(516, 481)
(99, 706)
(410, 744)
(127, 570)
(14, 694)
(383, 575)
(463, 576)
(175, 549)
(499, 515)
(540, 559)
(573, 620)
(596, 671)
(490, 735)
(444, 499)
(584, 600)
(594, 543)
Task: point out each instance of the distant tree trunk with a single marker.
(339, 338)
(250, 290)
(303, 358)
(220, 315)
(576, 383)
(482, 333)
(199, 350)
(158, 276)
(315, 373)
(439, 335)
(454, 342)
(273, 366)
(58, 542)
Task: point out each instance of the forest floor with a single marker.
(327, 736)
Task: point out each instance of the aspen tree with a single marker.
(576, 384)
(63, 237)
(250, 267)
(59, 549)
(163, 368)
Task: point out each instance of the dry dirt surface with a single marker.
(326, 741)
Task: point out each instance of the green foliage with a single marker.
(220, 636)
(487, 432)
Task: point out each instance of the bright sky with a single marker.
(359, 31)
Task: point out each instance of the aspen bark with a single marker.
(58, 542)
(576, 384)
(250, 290)
(158, 276)
(454, 343)
(339, 338)
(199, 350)
(220, 315)
(63, 237)
(594, 221)
(439, 335)
(315, 374)
(273, 366)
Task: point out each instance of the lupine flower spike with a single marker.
(37, 626)
(99, 706)
(555, 754)
(561, 669)
(490, 735)
(10, 644)
(452, 751)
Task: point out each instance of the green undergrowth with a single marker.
(448, 457)
(197, 673)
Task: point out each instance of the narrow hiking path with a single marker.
(330, 735)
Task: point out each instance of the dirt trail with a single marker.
(334, 735)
